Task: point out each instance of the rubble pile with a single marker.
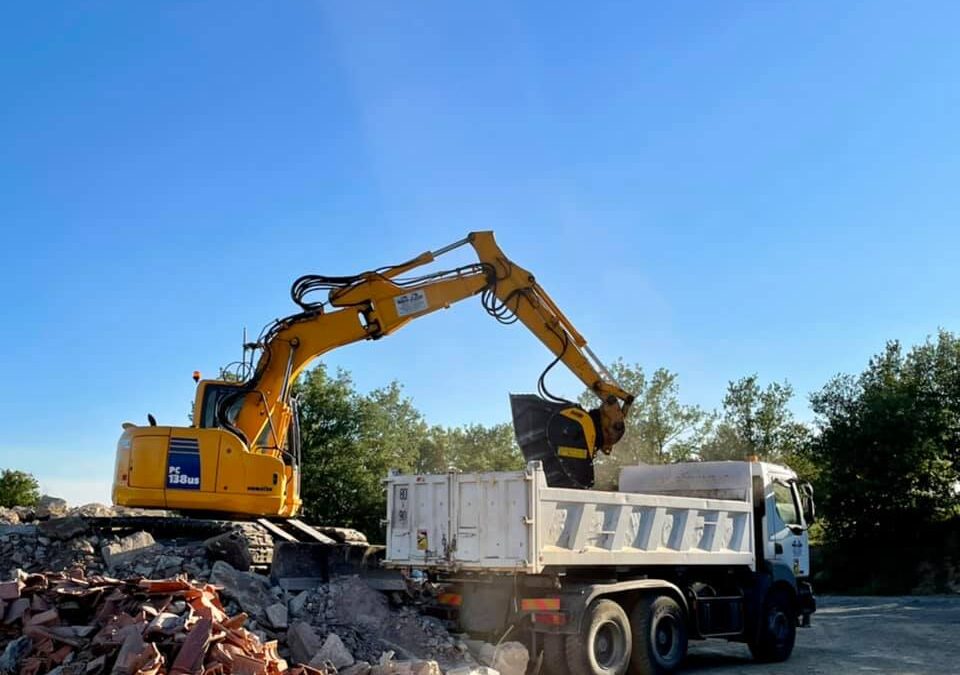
(85, 601)
(64, 543)
(72, 624)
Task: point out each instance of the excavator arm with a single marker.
(374, 304)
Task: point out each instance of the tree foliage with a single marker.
(659, 429)
(18, 488)
(351, 440)
(757, 421)
(889, 443)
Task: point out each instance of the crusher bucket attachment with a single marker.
(560, 435)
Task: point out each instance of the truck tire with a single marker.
(777, 630)
(603, 645)
(659, 635)
(554, 655)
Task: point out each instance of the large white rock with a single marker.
(333, 651)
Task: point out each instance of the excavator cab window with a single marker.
(213, 393)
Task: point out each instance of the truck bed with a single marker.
(512, 522)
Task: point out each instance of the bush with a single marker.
(18, 488)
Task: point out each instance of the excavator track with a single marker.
(313, 552)
(259, 541)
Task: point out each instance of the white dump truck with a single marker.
(609, 582)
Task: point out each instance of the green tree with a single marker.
(18, 488)
(659, 428)
(350, 441)
(889, 444)
(757, 421)
(476, 447)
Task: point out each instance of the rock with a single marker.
(355, 603)
(231, 547)
(93, 510)
(406, 668)
(26, 514)
(9, 516)
(303, 642)
(128, 549)
(510, 658)
(63, 528)
(472, 670)
(13, 654)
(51, 507)
(333, 651)
(358, 668)
(167, 565)
(298, 604)
(251, 591)
(277, 615)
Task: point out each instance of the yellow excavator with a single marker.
(241, 455)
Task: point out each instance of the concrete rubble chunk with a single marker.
(472, 670)
(251, 591)
(508, 658)
(333, 651)
(303, 642)
(298, 604)
(358, 668)
(277, 615)
(232, 548)
(63, 528)
(128, 549)
(354, 603)
(406, 668)
(26, 514)
(51, 507)
(13, 654)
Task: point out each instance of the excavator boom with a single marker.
(241, 454)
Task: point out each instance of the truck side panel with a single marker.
(513, 522)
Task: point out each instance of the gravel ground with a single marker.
(908, 635)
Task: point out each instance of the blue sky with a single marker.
(718, 188)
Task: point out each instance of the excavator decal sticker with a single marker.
(411, 303)
(183, 464)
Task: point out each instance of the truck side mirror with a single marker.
(807, 503)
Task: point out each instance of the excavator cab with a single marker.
(209, 395)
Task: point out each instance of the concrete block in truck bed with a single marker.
(710, 480)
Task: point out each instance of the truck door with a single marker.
(786, 527)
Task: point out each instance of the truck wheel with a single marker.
(554, 656)
(603, 645)
(778, 628)
(659, 635)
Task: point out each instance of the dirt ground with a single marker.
(908, 635)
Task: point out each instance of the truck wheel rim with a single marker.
(664, 637)
(778, 626)
(608, 644)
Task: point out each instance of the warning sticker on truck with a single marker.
(411, 303)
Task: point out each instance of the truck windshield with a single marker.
(786, 507)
